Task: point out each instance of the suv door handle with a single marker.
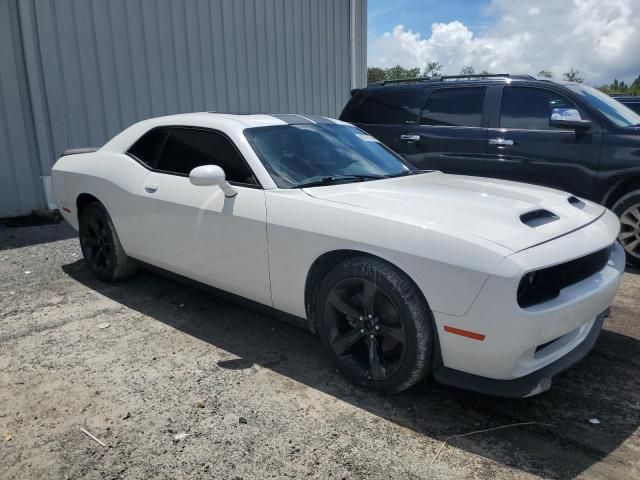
(150, 188)
(501, 142)
(410, 138)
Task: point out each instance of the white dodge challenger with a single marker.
(489, 285)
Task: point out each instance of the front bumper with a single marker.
(529, 385)
(513, 343)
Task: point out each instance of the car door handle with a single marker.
(503, 142)
(150, 188)
(410, 138)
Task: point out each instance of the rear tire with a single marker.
(627, 208)
(375, 324)
(101, 246)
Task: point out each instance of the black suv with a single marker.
(563, 135)
(631, 101)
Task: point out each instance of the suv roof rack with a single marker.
(402, 80)
(519, 76)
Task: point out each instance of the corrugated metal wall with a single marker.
(20, 185)
(82, 70)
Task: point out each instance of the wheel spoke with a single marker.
(342, 306)
(344, 342)
(375, 366)
(629, 220)
(106, 254)
(631, 246)
(90, 241)
(394, 332)
(99, 256)
(368, 296)
(94, 227)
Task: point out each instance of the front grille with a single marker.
(544, 285)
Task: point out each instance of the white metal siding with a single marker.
(93, 67)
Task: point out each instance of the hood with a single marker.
(514, 215)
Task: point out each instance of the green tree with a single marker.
(467, 71)
(375, 74)
(400, 73)
(545, 74)
(432, 69)
(620, 86)
(573, 75)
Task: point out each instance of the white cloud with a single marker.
(599, 37)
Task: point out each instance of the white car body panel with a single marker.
(484, 207)
(205, 236)
(460, 239)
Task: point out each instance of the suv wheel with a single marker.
(628, 210)
(375, 325)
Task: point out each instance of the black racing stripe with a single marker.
(318, 119)
(290, 118)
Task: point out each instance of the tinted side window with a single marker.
(529, 108)
(187, 148)
(460, 107)
(386, 107)
(147, 148)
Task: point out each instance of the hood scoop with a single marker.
(576, 202)
(537, 218)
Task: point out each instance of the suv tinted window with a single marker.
(529, 108)
(147, 148)
(188, 148)
(386, 107)
(460, 107)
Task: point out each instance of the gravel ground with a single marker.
(181, 384)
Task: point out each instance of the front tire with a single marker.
(101, 246)
(627, 209)
(375, 324)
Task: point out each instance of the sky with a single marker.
(601, 38)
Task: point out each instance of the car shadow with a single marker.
(561, 444)
(18, 236)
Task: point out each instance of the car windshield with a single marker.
(615, 111)
(322, 154)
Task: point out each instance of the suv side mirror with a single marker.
(568, 118)
(208, 175)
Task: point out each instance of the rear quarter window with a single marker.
(148, 147)
(386, 107)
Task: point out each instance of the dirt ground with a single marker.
(141, 363)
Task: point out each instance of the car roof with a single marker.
(246, 120)
(232, 124)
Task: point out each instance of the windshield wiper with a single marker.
(404, 173)
(334, 179)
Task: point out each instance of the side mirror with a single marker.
(208, 175)
(568, 118)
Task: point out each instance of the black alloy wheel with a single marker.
(101, 246)
(375, 324)
(96, 243)
(365, 329)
